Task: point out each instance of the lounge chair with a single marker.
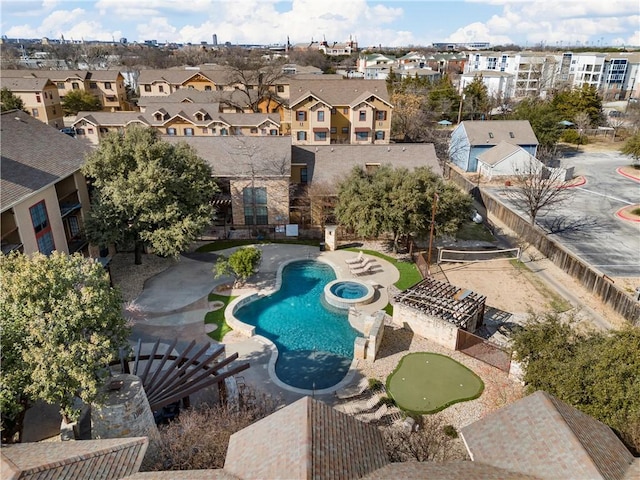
(358, 259)
(375, 416)
(367, 267)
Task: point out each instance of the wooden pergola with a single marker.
(168, 378)
(445, 301)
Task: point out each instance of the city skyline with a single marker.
(370, 23)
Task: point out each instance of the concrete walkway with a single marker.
(173, 304)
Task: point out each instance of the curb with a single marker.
(635, 179)
(582, 180)
(620, 214)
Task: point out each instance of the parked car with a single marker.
(69, 131)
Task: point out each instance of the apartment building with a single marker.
(537, 73)
(339, 111)
(39, 96)
(43, 194)
(178, 119)
(107, 85)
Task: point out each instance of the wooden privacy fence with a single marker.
(483, 350)
(593, 280)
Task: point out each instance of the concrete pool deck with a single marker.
(174, 303)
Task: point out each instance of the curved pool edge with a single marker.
(347, 303)
(249, 331)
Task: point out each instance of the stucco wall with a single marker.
(440, 331)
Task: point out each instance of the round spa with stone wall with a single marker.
(348, 293)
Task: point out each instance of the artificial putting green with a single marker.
(429, 382)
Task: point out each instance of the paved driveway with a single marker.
(587, 223)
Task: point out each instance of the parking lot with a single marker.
(586, 223)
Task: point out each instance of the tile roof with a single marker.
(461, 470)
(84, 459)
(498, 153)
(306, 440)
(211, 474)
(494, 131)
(337, 92)
(34, 156)
(326, 163)
(540, 435)
(235, 156)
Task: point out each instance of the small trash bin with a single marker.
(322, 246)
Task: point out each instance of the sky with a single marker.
(372, 23)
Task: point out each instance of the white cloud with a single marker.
(126, 8)
(157, 28)
(477, 32)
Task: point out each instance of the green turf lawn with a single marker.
(217, 316)
(430, 382)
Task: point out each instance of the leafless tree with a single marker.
(322, 198)
(199, 437)
(429, 443)
(537, 187)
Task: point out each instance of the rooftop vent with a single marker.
(512, 135)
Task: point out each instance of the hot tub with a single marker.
(347, 293)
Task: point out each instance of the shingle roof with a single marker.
(234, 156)
(540, 435)
(34, 156)
(337, 92)
(85, 459)
(494, 131)
(498, 153)
(24, 84)
(462, 470)
(178, 77)
(306, 440)
(217, 474)
(110, 118)
(326, 163)
(53, 75)
(182, 95)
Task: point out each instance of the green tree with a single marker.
(148, 192)
(80, 101)
(571, 102)
(399, 202)
(241, 264)
(444, 100)
(632, 148)
(477, 103)
(545, 122)
(10, 101)
(596, 372)
(61, 324)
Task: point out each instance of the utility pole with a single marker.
(460, 109)
(433, 222)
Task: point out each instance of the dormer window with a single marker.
(158, 117)
(512, 135)
(490, 134)
(199, 117)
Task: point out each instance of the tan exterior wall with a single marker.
(199, 83)
(277, 198)
(440, 331)
(23, 220)
(44, 106)
(156, 89)
(339, 121)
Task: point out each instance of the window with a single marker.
(42, 228)
(161, 88)
(301, 136)
(333, 111)
(54, 110)
(104, 130)
(107, 85)
(90, 131)
(254, 130)
(280, 88)
(205, 130)
(381, 115)
(147, 88)
(301, 116)
(158, 117)
(362, 116)
(34, 112)
(273, 132)
(345, 111)
(207, 88)
(361, 136)
(320, 136)
(304, 175)
(74, 226)
(75, 85)
(171, 131)
(334, 129)
(60, 85)
(321, 115)
(38, 98)
(379, 135)
(345, 129)
(188, 132)
(224, 132)
(93, 85)
(255, 206)
(79, 131)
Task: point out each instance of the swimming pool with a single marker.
(314, 340)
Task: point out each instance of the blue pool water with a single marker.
(314, 341)
(348, 290)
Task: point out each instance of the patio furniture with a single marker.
(375, 416)
(358, 259)
(366, 267)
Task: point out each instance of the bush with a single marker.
(242, 264)
(572, 136)
(450, 431)
(374, 384)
